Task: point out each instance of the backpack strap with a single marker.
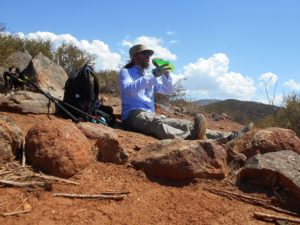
(93, 88)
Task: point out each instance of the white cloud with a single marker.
(211, 78)
(153, 43)
(291, 84)
(126, 43)
(269, 78)
(170, 32)
(174, 42)
(106, 59)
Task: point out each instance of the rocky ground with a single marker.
(151, 200)
(166, 182)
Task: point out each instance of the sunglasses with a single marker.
(146, 53)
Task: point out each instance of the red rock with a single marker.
(181, 159)
(58, 147)
(11, 139)
(110, 149)
(268, 140)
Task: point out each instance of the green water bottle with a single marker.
(157, 62)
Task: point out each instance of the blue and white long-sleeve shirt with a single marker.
(137, 89)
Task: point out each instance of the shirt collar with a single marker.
(139, 70)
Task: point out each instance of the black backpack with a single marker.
(81, 91)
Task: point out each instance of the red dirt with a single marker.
(150, 201)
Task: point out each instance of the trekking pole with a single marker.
(56, 101)
(51, 98)
(59, 103)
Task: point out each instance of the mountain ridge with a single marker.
(240, 111)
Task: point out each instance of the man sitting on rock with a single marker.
(137, 88)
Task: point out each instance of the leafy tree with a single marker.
(8, 45)
(109, 81)
(71, 58)
(179, 93)
(287, 117)
(68, 56)
(36, 46)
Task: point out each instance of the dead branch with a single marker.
(22, 203)
(265, 216)
(248, 199)
(2, 203)
(16, 213)
(5, 173)
(112, 192)
(47, 177)
(22, 184)
(100, 196)
(23, 154)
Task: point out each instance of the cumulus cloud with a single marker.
(153, 43)
(268, 78)
(105, 58)
(291, 84)
(174, 42)
(211, 78)
(170, 33)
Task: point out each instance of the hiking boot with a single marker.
(200, 125)
(240, 132)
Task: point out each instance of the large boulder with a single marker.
(107, 143)
(95, 131)
(11, 139)
(26, 102)
(58, 147)
(18, 59)
(110, 149)
(181, 159)
(2, 71)
(268, 140)
(49, 76)
(279, 170)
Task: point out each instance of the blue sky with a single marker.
(224, 49)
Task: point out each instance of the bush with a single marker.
(8, 45)
(287, 117)
(109, 81)
(67, 56)
(71, 58)
(178, 94)
(36, 46)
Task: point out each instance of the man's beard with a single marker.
(145, 65)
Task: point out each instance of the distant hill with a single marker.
(203, 102)
(241, 111)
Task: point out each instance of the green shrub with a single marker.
(109, 81)
(71, 58)
(67, 56)
(36, 46)
(287, 117)
(178, 94)
(8, 45)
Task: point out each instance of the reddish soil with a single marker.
(151, 201)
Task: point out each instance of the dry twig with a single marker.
(265, 216)
(15, 213)
(23, 154)
(100, 196)
(22, 184)
(18, 175)
(248, 199)
(47, 177)
(111, 192)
